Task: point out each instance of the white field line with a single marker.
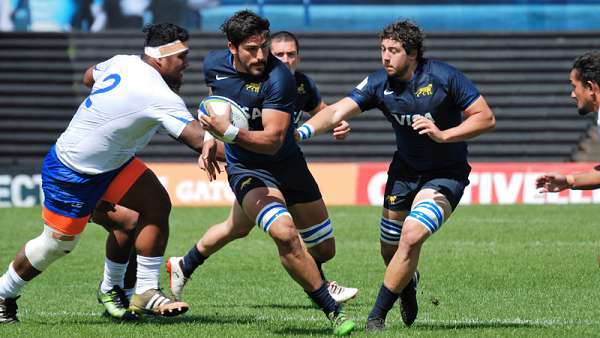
(458, 323)
(592, 244)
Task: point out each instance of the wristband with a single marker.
(231, 133)
(305, 131)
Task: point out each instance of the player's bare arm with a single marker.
(192, 135)
(479, 119)
(332, 116)
(266, 141)
(555, 182)
(341, 131)
(270, 139)
(88, 77)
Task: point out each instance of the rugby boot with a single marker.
(8, 310)
(409, 308)
(155, 302)
(342, 326)
(341, 294)
(177, 279)
(375, 324)
(116, 303)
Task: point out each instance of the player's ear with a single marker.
(232, 48)
(593, 86)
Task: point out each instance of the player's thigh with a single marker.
(400, 191)
(238, 220)
(147, 196)
(114, 217)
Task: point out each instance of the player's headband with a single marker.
(165, 50)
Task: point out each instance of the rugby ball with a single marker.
(219, 104)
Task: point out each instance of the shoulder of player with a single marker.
(439, 69)
(378, 78)
(215, 58)
(279, 72)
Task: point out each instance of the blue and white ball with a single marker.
(219, 106)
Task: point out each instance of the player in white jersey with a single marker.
(94, 160)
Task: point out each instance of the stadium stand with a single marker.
(524, 77)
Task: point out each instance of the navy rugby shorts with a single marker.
(404, 183)
(290, 176)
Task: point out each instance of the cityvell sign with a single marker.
(340, 184)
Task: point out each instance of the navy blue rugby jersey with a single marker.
(437, 91)
(308, 96)
(274, 90)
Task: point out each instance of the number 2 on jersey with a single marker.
(115, 78)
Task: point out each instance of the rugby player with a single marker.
(265, 167)
(424, 100)
(585, 81)
(311, 218)
(94, 159)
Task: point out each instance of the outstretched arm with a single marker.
(341, 131)
(554, 182)
(329, 117)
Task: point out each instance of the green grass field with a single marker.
(495, 271)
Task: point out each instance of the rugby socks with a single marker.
(114, 274)
(323, 299)
(385, 301)
(148, 271)
(191, 261)
(11, 283)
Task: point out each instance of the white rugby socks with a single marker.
(11, 283)
(148, 271)
(114, 274)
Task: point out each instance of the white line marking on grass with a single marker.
(515, 322)
(458, 323)
(586, 244)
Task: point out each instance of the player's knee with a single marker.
(285, 235)
(412, 235)
(317, 234)
(48, 247)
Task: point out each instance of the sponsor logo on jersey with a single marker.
(424, 91)
(301, 89)
(219, 77)
(391, 199)
(388, 92)
(252, 87)
(408, 119)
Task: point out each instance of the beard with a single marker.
(174, 84)
(583, 111)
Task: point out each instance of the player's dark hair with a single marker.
(163, 33)
(242, 25)
(407, 33)
(588, 68)
(286, 36)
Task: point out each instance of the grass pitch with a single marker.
(491, 271)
